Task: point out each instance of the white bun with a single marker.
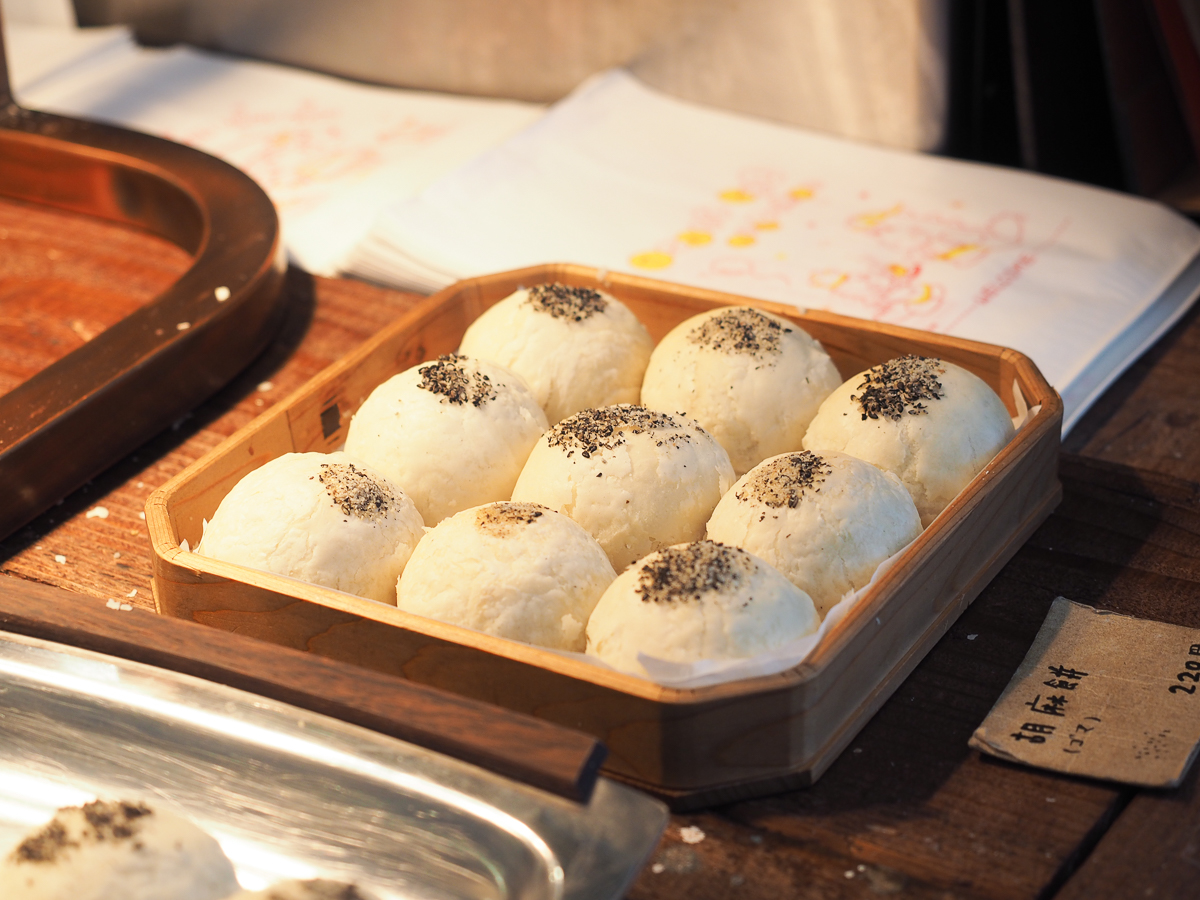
(325, 518)
(825, 521)
(637, 480)
(109, 849)
(933, 424)
(697, 601)
(576, 347)
(752, 379)
(452, 433)
(515, 570)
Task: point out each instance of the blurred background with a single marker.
(1102, 91)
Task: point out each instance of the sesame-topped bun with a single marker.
(307, 889)
(930, 422)
(752, 379)
(515, 570)
(575, 346)
(321, 517)
(636, 479)
(697, 601)
(117, 849)
(825, 521)
(452, 433)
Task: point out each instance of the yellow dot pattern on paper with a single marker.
(654, 259)
(736, 195)
(958, 251)
(800, 193)
(829, 280)
(870, 220)
(741, 240)
(766, 226)
(925, 296)
(696, 238)
(898, 271)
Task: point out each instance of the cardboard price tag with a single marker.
(1104, 696)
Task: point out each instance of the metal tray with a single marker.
(293, 794)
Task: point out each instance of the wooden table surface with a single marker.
(908, 810)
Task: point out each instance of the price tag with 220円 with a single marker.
(1104, 696)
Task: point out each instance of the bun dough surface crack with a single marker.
(515, 570)
(575, 346)
(825, 521)
(117, 849)
(697, 601)
(321, 517)
(752, 379)
(636, 479)
(931, 423)
(452, 433)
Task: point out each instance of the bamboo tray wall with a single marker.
(693, 746)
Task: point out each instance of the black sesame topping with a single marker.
(109, 820)
(680, 574)
(501, 519)
(450, 378)
(45, 845)
(604, 428)
(898, 386)
(355, 492)
(783, 481)
(563, 302)
(740, 330)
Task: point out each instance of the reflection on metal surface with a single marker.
(289, 793)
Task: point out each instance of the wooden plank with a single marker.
(735, 861)
(1152, 850)
(914, 788)
(1150, 417)
(910, 800)
(519, 747)
(60, 286)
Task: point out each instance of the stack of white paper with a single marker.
(330, 153)
(622, 177)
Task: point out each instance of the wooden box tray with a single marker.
(692, 746)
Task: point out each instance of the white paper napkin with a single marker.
(621, 177)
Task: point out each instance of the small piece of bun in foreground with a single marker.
(307, 889)
(636, 479)
(514, 570)
(576, 347)
(752, 379)
(105, 850)
(697, 601)
(452, 433)
(325, 518)
(931, 423)
(825, 521)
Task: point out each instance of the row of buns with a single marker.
(738, 486)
